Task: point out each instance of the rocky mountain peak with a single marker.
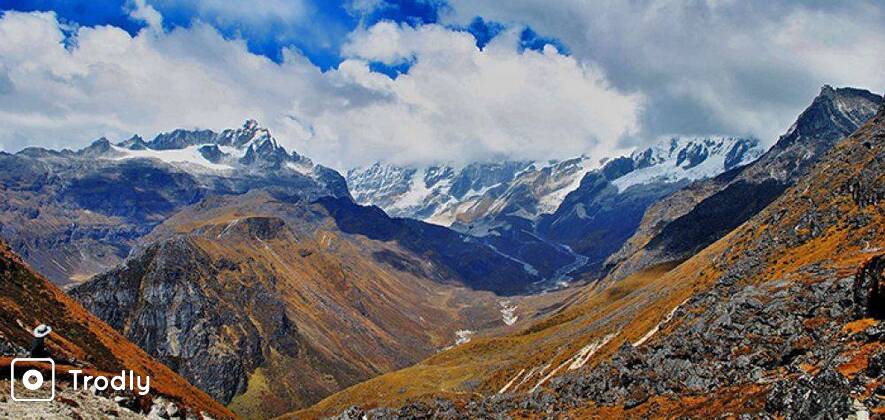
(249, 146)
(251, 124)
(250, 133)
(97, 148)
(833, 114)
(135, 142)
(682, 158)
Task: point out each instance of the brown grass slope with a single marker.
(28, 299)
(823, 228)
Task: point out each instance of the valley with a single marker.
(258, 277)
(777, 317)
(442, 210)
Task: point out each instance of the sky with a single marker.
(414, 82)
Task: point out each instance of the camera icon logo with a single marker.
(31, 379)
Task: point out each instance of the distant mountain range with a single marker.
(450, 196)
(595, 215)
(561, 218)
(447, 195)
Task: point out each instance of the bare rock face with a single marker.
(170, 302)
(79, 340)
(869, 288)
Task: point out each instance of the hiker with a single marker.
(38, 347)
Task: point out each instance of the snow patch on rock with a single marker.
(508, 312)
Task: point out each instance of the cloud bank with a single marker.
(633, 71)
(457, 103)
(711, 66)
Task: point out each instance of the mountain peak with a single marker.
(251, 124)
(134, 143)
(834, 113)
(98, 147)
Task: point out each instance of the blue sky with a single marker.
(420, 81)
(330, 23)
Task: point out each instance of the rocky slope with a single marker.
(81, 340)
(270, 304)
(686, 221)
(74, 214)
(781, 317)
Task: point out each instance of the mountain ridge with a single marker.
(285, 302)
(462, 195)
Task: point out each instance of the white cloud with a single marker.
(112, 84)
(456, 102)
(147, 14)
(639, 69)
(735, 67)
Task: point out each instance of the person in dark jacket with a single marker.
(38, 346)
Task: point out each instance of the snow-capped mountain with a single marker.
(446, 195)
(72, 214)
(481, 191)
(557, 218)
(595, 219)
(247, 147)
(683, 223)
(689, 159)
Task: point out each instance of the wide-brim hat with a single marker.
(42, 331)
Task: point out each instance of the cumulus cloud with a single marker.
(637, 70)
(112, 84)
(457, 100)
(146, 13)
(456, 103)
(707, 67)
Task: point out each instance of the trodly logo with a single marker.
(30, 383)
(32, 380)
(125, 381)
